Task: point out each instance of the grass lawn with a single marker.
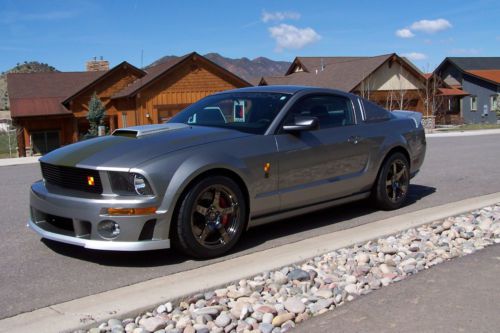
(4, 145)
(470, 127)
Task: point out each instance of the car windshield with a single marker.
(246, 112)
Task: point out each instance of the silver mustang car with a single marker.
(231, 161)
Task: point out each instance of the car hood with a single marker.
(122, 150)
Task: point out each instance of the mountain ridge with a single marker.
(250, 70)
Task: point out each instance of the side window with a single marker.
(331, 110)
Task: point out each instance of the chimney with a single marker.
(97, 65)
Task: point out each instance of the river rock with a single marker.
(294, 304)
(154, 323)
(298, 274)
(280, 319)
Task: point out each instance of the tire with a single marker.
(209, 224)
(391, 189)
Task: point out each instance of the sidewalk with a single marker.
(463, 133)
(461, 295)
(18, 160)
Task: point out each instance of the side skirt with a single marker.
(259, 220)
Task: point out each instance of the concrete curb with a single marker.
(463, 133)
(18, 160)
(130, 301)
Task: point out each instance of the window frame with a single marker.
(354, 120)
(473, 103)
(495, 102)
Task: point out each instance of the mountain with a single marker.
(25, 67)
(250, 70)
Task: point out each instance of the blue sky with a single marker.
(67, 33)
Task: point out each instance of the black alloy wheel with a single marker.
(393, 182)
(211, 218)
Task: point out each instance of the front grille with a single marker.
(73, 178)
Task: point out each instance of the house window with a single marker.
(473, 103)
(124, 119)
(495, 102)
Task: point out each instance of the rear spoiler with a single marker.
(415, 116)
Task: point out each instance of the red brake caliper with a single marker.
(223, 204)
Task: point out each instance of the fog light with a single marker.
(108, 229)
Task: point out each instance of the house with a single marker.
(169, 87)
(479, 79)
(51, 108)
(388, 80)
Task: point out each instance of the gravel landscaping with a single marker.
(277, 301)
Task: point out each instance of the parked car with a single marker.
(231, 161)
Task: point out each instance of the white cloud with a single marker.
(279, 16)
(465, 51)
(415, 56)
(431, 26)
(290, 37)
(404, 33)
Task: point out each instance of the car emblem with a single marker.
(90, 181)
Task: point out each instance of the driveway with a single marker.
(37, 273)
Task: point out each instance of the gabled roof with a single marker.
(152, 73)
(452, 92)
(34, 94)
(156, 72)
(310, 64)
(475, 63)
(122, 65)
(492, 75)
(465, 64)
(343, 73)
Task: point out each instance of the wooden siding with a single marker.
(104, 89)
(64, 125)
(188, 84)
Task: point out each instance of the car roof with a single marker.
(281, 89)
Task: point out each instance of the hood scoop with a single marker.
(140, 131)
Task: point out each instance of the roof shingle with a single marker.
(343, 73)
(34, 94)
(491, 75)
(476, 63)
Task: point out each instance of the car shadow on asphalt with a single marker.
(252, 239)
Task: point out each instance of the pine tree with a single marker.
(95, 115)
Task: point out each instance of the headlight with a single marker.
(140, 185)
(126, 183)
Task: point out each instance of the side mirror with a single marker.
(302, 124)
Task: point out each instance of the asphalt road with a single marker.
(35, 273)
(457, 296)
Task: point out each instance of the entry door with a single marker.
(321, 165)
(44, 142)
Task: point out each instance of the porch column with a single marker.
(74, 137)
(21, 144)
(112, 123)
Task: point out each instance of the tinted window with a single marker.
(247, 112)
(331, 111)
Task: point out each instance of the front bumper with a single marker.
(68, 217)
